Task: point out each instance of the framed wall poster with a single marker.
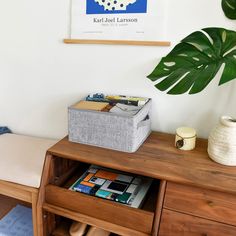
(138, 22)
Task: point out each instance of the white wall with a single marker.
(40, 76)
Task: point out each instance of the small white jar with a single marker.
(222, 142)
(185, 138)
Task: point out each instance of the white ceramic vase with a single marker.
(222, 142)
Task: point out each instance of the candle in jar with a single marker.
(185, 138)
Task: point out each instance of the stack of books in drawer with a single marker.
(113, 185)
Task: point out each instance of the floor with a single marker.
(7, 203)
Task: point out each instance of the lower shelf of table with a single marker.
(111, 227)
(63, 227)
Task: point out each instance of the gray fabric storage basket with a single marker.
(109, 130)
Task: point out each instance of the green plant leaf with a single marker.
(229, 8)
(194, 62)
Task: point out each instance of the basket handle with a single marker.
(144, 122)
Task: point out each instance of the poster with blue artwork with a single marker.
(128, 20)
(116, 6)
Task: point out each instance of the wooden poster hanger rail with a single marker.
(117, 42)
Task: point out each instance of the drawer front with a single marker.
(109, 211)
(201, 202)
(178, 224)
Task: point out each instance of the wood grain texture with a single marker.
(178, 224)
(62, 229)
(120, 230)
(157, 158)
(159, 207)
(17, 191)
(34, 197)
(43, 227)
(112, 212)
(117, 42)
(208, 204)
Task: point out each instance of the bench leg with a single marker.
(34, 213)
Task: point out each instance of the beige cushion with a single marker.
(22, 158)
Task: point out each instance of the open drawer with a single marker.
(95, 211)
(105, 210)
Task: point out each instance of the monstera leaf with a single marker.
(229, 8)
(194, 62)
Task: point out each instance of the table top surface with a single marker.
(157, 158)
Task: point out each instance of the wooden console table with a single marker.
(191, 195)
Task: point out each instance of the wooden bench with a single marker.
(21, 165)
(23, 193)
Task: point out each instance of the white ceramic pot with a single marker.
(222, 142)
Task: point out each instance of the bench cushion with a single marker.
(22, 158)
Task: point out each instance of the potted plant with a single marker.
(195, 61)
